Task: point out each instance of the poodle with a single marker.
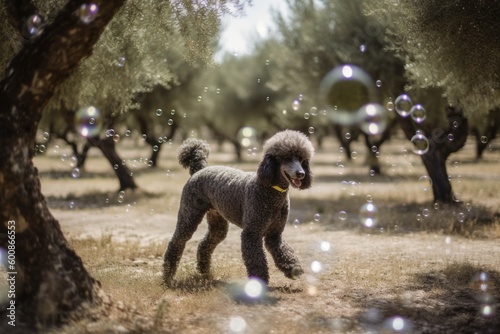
(257, 202)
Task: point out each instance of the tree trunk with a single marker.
(442, 142)
(51, 284)
(108, 149)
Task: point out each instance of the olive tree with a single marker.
(450, 47)
(321, 35)
(52, 284)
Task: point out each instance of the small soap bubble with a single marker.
(159, 112)
(324, 246)
(420, 144)
(397, 324)
(199, 98)
(461, 217)
(378, 83)
(316, 267)
(295, 105)
(313, 111)
(425, 183)
(33, 26)
(403, 105)
(121, 61)
(75, 173)
(346, 89)
(348, 136)
(342, 215)
(170, 121)
(418, 113)
(116, 138)
(362, 48)
(110, 133)
(316, 217)
(354, 155)
(254, 288)
(311, 130)
(88, 12)
(296, 223)
(484, 139)
(468, 206)
(237, 324)
(373, 119)
(368, 214)
(425, 212)
(451, 137)
(116, 166)
(307, 115)
(88, 121)
(71, 205)
(390, 106)
(247, 136)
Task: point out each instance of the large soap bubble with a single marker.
(88, 121)
(346, 89)
(373, 118)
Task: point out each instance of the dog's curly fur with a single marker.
(257, 202)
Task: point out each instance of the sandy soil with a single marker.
(366, 275)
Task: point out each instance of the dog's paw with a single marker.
(296, 272)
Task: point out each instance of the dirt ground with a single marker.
(421, 269)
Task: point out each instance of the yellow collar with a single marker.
(278, 188)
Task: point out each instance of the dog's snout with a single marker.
(300, 174)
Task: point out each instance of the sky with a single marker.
(240, 32)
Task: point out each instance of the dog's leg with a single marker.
(252, 250)
(283, 256)
(187, 223)
(217, 231)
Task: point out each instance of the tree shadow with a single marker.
(97, 199)
(394, 218)
(461, 298)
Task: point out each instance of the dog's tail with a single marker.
(193, 154)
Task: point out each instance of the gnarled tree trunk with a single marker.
(442, 142)
(51, 283)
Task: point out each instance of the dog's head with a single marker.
(286, 157)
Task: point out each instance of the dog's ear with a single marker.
(307, 180)
(268, 169)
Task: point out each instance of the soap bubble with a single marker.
(390, 106)
(254, 288)
(237, 324)
(75, 173)
(342, 215)
(88, 121)
(397, 324)
(295, 105)
(317, 217)
(403, 105)
(368, 214)
(378, 83)
(121, 61)
(33, 26)
(316, 266)
(420, 144)
(347, 87)
(425, 182)
(372, 119)
(418, 113)
(159, 112)
(247, 136)
(88, 12)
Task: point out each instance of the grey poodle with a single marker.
(256, 202)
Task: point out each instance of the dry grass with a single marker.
(420, 266)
